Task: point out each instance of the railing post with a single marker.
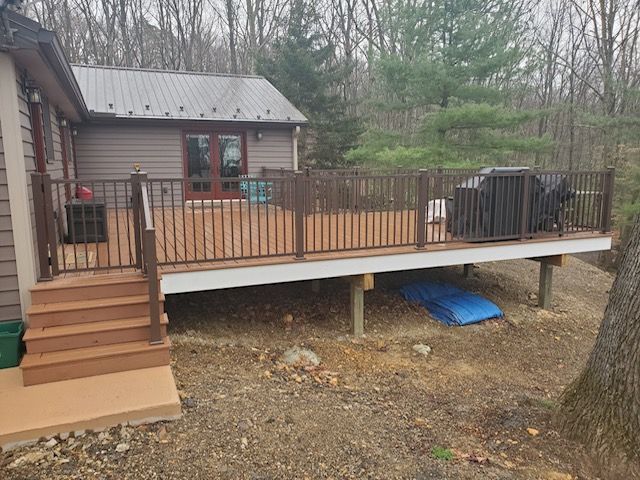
(135, 206)
(151, 262)
(421, 225)
(37, 185)
(299, 189)
(51, 223)
(607, 199)
(524, 213)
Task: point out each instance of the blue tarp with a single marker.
(451, 305)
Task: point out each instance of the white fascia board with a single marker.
(219, 278)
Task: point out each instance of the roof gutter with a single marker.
(28, 34)
(57, 60)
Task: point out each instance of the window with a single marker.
(48, 133)
(230, 147)
(198, 160)
(37, 129)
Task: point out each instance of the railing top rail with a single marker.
(90, 180)
(218, 179)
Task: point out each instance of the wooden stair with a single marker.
(85, 326)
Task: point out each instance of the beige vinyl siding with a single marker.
(107, 152)
(9, 292)
(54, 163)
(275, 150)
(110, 152)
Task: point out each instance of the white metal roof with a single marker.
(168, 94)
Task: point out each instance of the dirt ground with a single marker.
(480, 405)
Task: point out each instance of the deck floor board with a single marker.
(213, 235)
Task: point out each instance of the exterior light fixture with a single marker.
(63, 122)
(259, 135)
(74, 131)
(34, 95)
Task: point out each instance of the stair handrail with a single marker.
(149, 260)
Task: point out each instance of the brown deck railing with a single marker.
(140, 223)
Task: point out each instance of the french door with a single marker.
(210, 156)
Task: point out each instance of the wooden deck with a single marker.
(201, 234)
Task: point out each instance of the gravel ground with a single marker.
(479, 405)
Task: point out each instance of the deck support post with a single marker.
(315, 285)
(468, 268)
(545, 285)
(357, 305)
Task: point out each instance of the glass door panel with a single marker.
(198, 159)
(230, 150)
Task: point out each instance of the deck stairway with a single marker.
(85, 326)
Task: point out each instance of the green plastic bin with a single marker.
(10, 343)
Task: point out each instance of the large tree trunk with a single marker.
(602, 407)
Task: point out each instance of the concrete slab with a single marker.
(92, 403)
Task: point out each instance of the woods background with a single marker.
(554, 83)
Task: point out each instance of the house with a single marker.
(120, 186)
(97, 122)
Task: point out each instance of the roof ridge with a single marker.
(161, 70)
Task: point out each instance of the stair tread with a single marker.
(89, 281)
(35, 360)
(43, 308)
(39, 333)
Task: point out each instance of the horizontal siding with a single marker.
(29, 159)
(54, 164)
(9, 292)
(106, 152)
(110, 151)
(275, 150)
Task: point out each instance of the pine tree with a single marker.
(444, 86)
(299, 66)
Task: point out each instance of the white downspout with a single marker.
(294, 140)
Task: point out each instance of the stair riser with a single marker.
(89, 292)
(90, 339)
(97, 314)
(98, 366)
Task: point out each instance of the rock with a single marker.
(244, 425)
(189, 402)
(51, 443)
(104, 437)
(422, 349)
(300, 357)
(125, 433)
(163, 435)
(552, 475)
(64, 435)
(244, 443)
(122, 447)
(28, 459)
(419, 422)
(533, 432)
(287, 319)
